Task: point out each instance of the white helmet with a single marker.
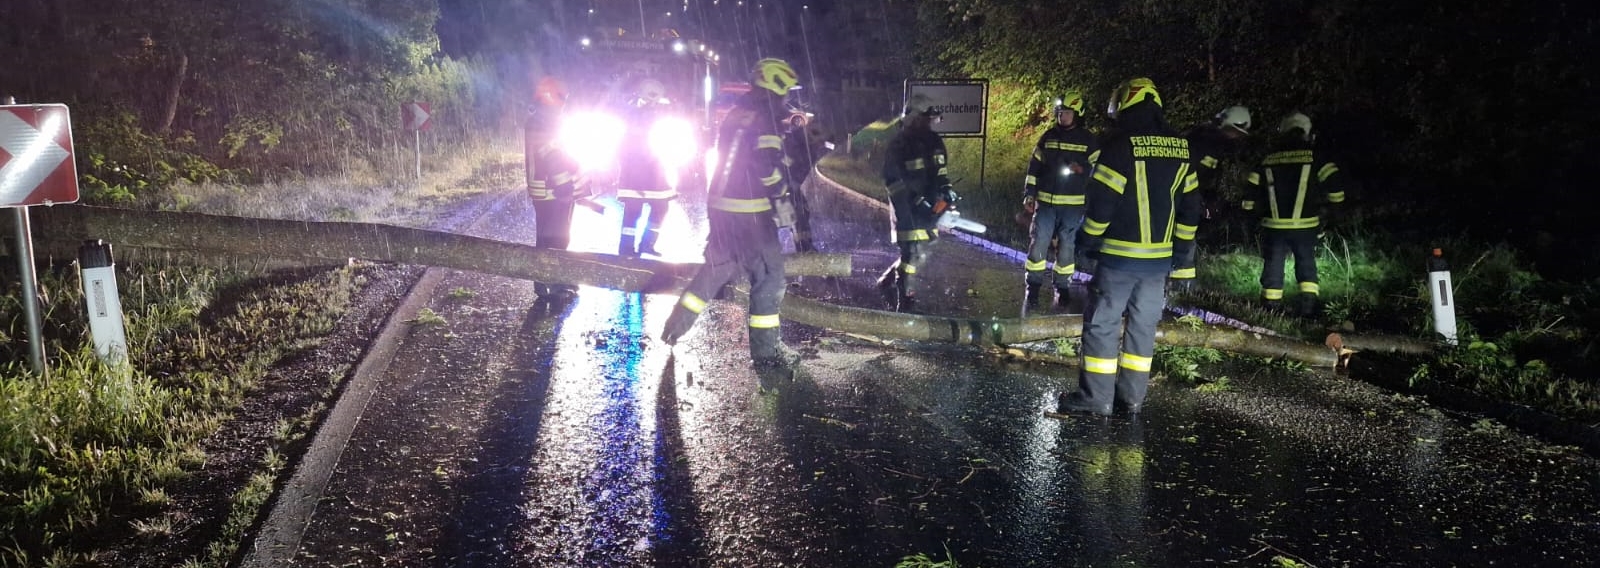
(1294, 121)
(651, 92)
(1236, 116)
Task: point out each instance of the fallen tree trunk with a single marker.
(62, 228)
(1011, 331)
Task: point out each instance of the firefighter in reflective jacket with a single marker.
(1142, 199)
(746, 202)
(916, 171)
(642, 181)
(1214, 145)
(553, 177)
(1053, 193)
(1289, 191)
(802, 147)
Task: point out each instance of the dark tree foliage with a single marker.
(1473, 115)
(197, 88)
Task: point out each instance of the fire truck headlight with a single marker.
(592, 138)
(672, 140)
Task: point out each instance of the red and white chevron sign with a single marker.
(415, 115)
(36, 165)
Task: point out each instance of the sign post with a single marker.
(415, 117)
(964, 108)
(36, 168)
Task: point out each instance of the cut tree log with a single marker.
(62, 228)
(1012, 331)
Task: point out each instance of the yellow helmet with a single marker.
(1132, 92)
(1071, 100)
(775, 75)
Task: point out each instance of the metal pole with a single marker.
(419, 152)
(30, 289)
(810, 65)
(30, 284)
(644, 31)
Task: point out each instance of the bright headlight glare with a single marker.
(672, 141)
(591, 138)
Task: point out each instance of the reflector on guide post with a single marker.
(104, 302)
(1442, 297)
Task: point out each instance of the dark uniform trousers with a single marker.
(552, 223)
(1116, 364)
(1059, 222)
(748, 247)
(632, 210)
(1276, 246)
(914, 232)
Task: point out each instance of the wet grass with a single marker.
(383, 191)
(93, 443)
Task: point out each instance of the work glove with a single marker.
(1090, 244)
(1030, 204)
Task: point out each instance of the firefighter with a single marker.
(1289, 191)
(553, 177)
(643, 180)
(1142, 197)
(1053, 194)
(916, 171)
(802, 147)
(1214, 145)
(747, 202)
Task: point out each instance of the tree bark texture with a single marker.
(59, 230)
(174, 91)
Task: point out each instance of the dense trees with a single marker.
(162, 89)
(1471, 114)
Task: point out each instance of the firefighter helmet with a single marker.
(650, 92)
(921, 104)
(775, 75)
(1296, 121)
(1235, 116)
(1132, 92)
(1071, 100)
(550, 92)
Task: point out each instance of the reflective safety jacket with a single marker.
(1212, 151)
(917, 158)
(1050, 180)
(640, 174)
(750, 169)
(551, 172)
(1143, 194)
(1291, 186)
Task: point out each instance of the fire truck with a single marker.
(602, 76)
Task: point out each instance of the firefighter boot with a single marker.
(1030, 297)
(767, 350)
(889, 283)
(647, 244)
(1063, 297)
(1308, 306)
(1093, 396)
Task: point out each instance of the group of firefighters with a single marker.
(1125, 207)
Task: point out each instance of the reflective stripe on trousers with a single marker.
(1117, 358)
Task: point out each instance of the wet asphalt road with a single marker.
(525, 433)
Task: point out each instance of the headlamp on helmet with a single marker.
(1071, 100)
(1132, 92)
